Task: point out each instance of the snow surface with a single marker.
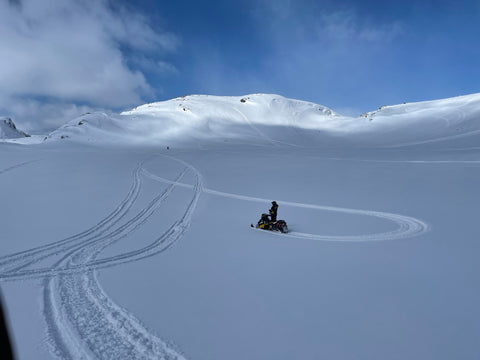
(130, 250)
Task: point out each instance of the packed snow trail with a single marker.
(14, 262)
(82, 320)
(84, 323)
(13, 266)
(407, 226)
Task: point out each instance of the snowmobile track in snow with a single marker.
(11, 264)
(407, 226)
(82, 321)
(16, 166)
(81, 297)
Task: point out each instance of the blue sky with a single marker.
(61, 58)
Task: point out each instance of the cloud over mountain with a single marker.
(70, 52)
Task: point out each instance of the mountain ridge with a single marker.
(196, 120)
(8, 130)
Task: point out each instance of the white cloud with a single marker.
(347, 26)
(155, 66)
(288, 23)
(36, 116)
(163, 67)
(71, 51)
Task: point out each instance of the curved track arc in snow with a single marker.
(407, 226)
(13, 266)
(14, 262)
(82, 321)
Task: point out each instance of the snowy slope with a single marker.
(134, 251)
(258, 118)
(428, 121)
(8, 130)
(201, 118)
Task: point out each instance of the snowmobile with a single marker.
(266, 224)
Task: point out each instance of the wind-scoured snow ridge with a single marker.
(424, 122)
(263, 119)
(201, 119)
(407, 226)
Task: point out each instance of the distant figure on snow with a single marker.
(273, 211)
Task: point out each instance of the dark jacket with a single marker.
(273, 212)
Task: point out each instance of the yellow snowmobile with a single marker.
(266, 224)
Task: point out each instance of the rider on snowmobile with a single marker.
(269, 221)
(273, 211)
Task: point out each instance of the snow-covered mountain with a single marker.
(427, 121)
(8, 130)
(144, 252)
(201, 119)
